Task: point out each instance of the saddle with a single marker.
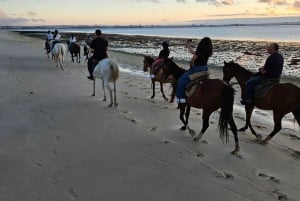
(196, 79)
(157, 66)
(264, 86)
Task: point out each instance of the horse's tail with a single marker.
(226, 111)
(296, 112)
(115, 70)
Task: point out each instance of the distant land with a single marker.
(271, 21)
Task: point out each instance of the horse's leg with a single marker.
(205, 119)
(60, 57)
(110, 93)
(187, 115)
(115, 94)
(235, 134)
(72, 56)
(277, 126)
(249, 110)
(181, 115)
(104, 98)
(79, 56)
(153, 88)
(162, 91)
(94, 86)
(173, 93)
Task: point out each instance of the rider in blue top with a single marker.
(198, 63)
(271, 70)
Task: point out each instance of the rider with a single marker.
(56, 38)
(49, 38)
(71, 40)
(271, 70)
(87, 41)
(198, 63)
(99, 49)
(163, 54)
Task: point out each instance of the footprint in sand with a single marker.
(153, 129)
(261, 113)
(272, 178)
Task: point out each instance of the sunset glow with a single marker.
(138, 12)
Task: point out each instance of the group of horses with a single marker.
(213, 94)
(58, 52)
(206, 94)
(107, 69)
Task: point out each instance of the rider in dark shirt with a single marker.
(271, 70)
(198, 63)
(99, 49)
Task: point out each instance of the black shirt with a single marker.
(99, 45)
(164, 53)
(273, 66)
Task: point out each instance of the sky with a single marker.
(138, 12)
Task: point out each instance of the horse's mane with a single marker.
(149, 58)
(174, 68)
(238, 68)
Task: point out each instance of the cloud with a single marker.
(296, 5)
(275, 2)
(217, 2)
(5, 20)
(31, 13)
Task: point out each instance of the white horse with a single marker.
(58, 53)
(108, 71)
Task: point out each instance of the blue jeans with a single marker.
(250, 86)
(184, 80)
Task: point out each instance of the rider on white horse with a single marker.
(56, 37)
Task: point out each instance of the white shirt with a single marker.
(72, 40)
(50, 36)
(57, 37)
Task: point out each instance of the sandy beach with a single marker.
(58, 143)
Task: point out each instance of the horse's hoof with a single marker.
(104, 99)
(110, 105)
(196, 139)
(242, 129)
(264, 142)
(152, 97)
(183, 128)
(116, 104)
(259, 137)
(93, 95)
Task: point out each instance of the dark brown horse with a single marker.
(211, 95)
(282, 98)
(168, 72)
(75, 51)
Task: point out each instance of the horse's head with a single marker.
(229, 70)
(232, 69)
(147, 62)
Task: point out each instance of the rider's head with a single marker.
(56, 31)
(165, 44)
(205, 47)
(98, 32)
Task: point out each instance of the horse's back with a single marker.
(208, 92)
(106, 68)
(281, 95)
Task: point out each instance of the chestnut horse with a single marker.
(168, 72)
(75, 52)
(211, 95)
(282, 98)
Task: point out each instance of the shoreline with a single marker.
(250, 54)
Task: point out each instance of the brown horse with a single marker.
(168, 72)
(281, 98)
(75, 51)
(211, 95)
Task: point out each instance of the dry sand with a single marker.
(58, 143)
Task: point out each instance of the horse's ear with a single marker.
(225, 62)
